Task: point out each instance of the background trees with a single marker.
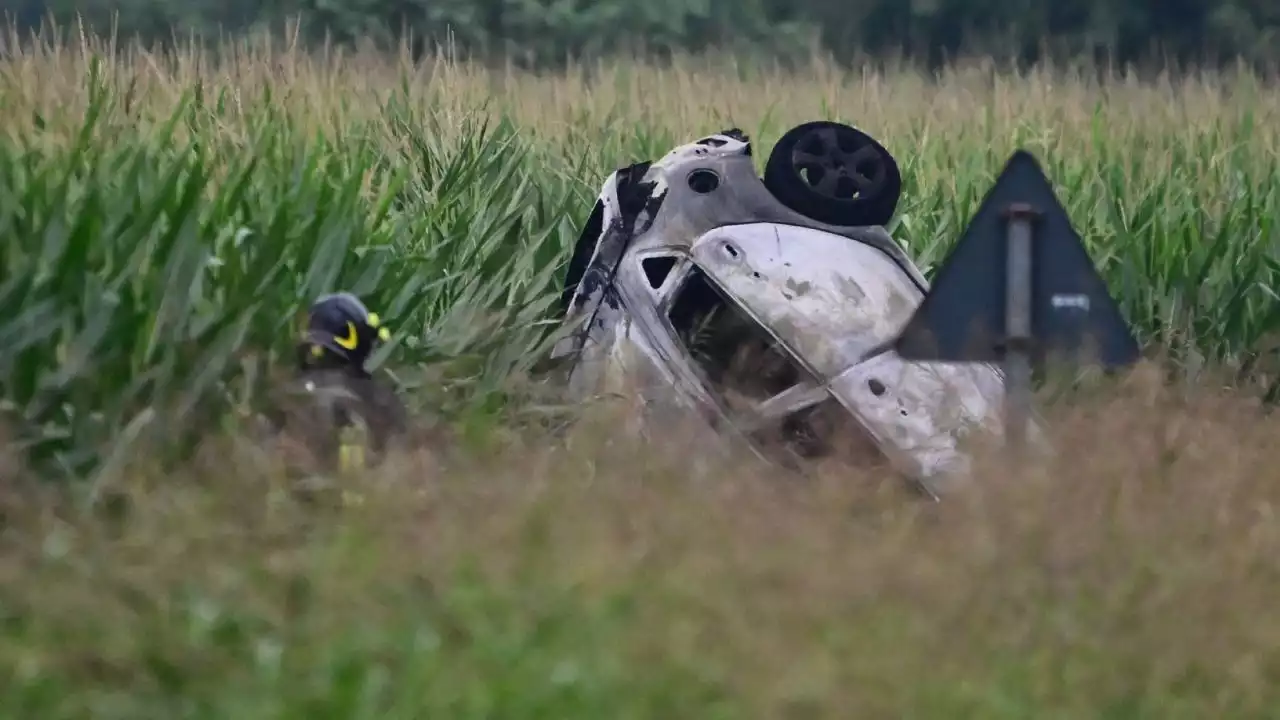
(542, 32)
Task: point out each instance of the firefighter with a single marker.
(346, 416)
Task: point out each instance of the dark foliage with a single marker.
(544, 32)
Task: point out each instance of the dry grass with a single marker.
(597, 576)
(1060, 110)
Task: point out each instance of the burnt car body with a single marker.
(762, 305)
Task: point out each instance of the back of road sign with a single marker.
(962, 319)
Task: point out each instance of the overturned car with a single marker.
(769, 307)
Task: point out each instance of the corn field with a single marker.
(167, 217)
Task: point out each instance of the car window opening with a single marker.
(745, 366)
(657, 269)
(738, 357)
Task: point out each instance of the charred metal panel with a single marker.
(833, 301)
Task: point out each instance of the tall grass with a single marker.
(1133, 576)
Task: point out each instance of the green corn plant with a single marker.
(147, 270)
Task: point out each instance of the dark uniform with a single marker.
(344, 416)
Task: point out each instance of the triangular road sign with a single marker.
(963, 316)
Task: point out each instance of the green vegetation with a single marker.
(166, 217)
(155, 259)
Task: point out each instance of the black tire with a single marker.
(835, 174)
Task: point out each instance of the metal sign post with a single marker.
(1019, 238)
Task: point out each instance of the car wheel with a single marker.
(835, 174)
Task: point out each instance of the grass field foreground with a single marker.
(606, 576)
(165, 217)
